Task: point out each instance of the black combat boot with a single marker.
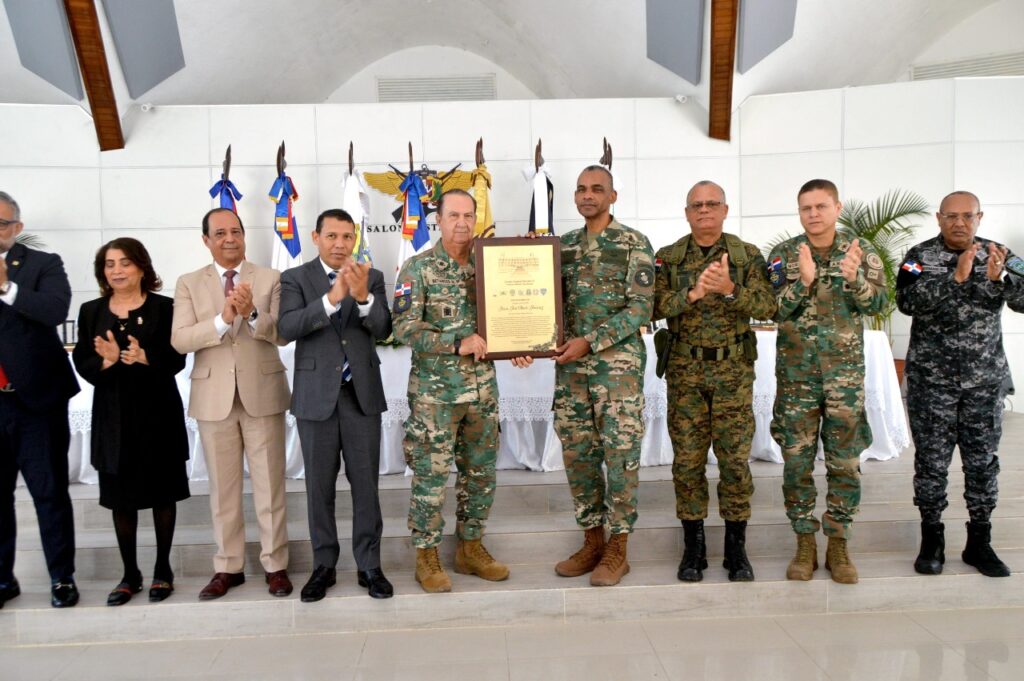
(736, 552)
(979, 553)
(933, 549)
(695, 552)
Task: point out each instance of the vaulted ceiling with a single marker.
(301, 51)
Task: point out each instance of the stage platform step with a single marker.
(532, 595)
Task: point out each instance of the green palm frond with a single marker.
(776, 240)
(30, 240)
(886, 224)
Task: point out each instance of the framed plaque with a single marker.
(519, 296)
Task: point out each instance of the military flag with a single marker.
(287, 247)
(542, 206)
(415, 233)
(224, 188)
(481, 181)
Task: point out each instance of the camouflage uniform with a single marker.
(453, 398)
(599, 399)
(711, 372)
(819, 370)
(957, 376)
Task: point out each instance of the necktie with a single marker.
(3, 379)
(346, 372)
(229, 282)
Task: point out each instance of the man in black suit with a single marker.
(36, 382)
(336, 308)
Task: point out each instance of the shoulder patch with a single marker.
(1016, 265)
(403, 296)
(912, 267)
(644, 276)
(874, 261)
(657, 264)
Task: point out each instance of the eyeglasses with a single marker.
(710, 205)
(4, 224)
(952, 217)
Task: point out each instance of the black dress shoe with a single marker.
(123, 592)
(316, 588)
(63, 593)
(376, 582)
(9, 590)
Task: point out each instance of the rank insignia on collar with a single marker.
(912, 267)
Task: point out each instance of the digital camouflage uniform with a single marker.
(957, 376)
(608, 295)
(710, 371)
(819, 372)
(453, 399)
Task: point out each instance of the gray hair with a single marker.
(9, 200)
(707, 183)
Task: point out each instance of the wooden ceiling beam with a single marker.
(92, 60)
(724, 20)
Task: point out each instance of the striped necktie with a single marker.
(346, 372)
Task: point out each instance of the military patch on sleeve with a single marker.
(912, 267)
(657, 264)
(644, 276)
(403, 296)
(775, 272)
(1016, 265)
(874, 261)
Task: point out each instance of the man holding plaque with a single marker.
(608, 275)
(453, 395)
(708, 285)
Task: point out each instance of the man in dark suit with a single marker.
(336, 308)
(36, 382)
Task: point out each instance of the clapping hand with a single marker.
(715, 278)
(808, 270)
(965, 263)
(851, 262)
(996, 261)
(107, 348)
(357, 277)
(134, 354)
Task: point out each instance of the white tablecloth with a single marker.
(528, 439)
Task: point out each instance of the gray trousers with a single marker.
(351, 434)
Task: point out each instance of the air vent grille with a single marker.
(1005, 64)
(437, 88)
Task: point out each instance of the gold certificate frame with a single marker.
(519, 296)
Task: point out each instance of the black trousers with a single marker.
(36, 445)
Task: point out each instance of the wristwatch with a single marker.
(254, 314)
(458, 344)
(729, 297)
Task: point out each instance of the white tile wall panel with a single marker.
(573, 129)
(769, 184)
(452, 131)
(380, 134)
(662, 184)
(153, 197)
(666, 128)
(165, 136)
(992, 170)
(989, 109)
(925, 169)
(55, 198)
(898, 114)
(47, 136)
(255, 132)
(792, 122)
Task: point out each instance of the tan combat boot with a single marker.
(471, 558)
(429, 572)
(838, 562)
(613, 566)
(587, 558)
(805, 562)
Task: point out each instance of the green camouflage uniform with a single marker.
(711, 371)
(820, 374)
(453, 398)
(599, 399)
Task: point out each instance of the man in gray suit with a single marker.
(336, 308)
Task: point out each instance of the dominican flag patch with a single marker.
(657, 264)
(403, 289)
(912, 267)
(775, 265)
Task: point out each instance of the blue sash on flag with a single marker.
(283, 193)
(414, 218)
(228, 193)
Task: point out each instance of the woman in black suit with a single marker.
(139, 443)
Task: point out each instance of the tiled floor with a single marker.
(932, 646)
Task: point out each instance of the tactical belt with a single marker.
(713, 354)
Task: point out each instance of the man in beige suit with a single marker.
(226, 313)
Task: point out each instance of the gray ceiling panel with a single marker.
(146, 38)
(43, 40)
(675, 36)
(764, 26)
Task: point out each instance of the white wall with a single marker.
(930, 136)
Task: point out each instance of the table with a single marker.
(528, 439)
